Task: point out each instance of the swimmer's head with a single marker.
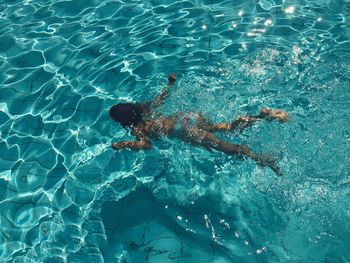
(127, 114)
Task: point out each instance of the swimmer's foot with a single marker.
(277, 114)
(171, 79)
(267, 160)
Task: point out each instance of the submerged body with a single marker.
(176, 125)
(187, 126)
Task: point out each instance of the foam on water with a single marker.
(67, 197)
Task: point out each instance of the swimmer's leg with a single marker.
(208, 140)
(238, 125)
(245, 121)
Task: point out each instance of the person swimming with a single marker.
(190, 127)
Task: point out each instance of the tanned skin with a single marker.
(202, 134)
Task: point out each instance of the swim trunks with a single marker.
(185, 121)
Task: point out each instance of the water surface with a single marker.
(67, 197)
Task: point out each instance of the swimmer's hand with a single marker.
(117, 146)
(171, 79)
(159, 100)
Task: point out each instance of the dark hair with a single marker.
(127, 114)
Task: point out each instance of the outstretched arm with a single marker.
(142, 142)
(159, 100)
(133, 145)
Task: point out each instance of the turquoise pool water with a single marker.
(65, 196)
